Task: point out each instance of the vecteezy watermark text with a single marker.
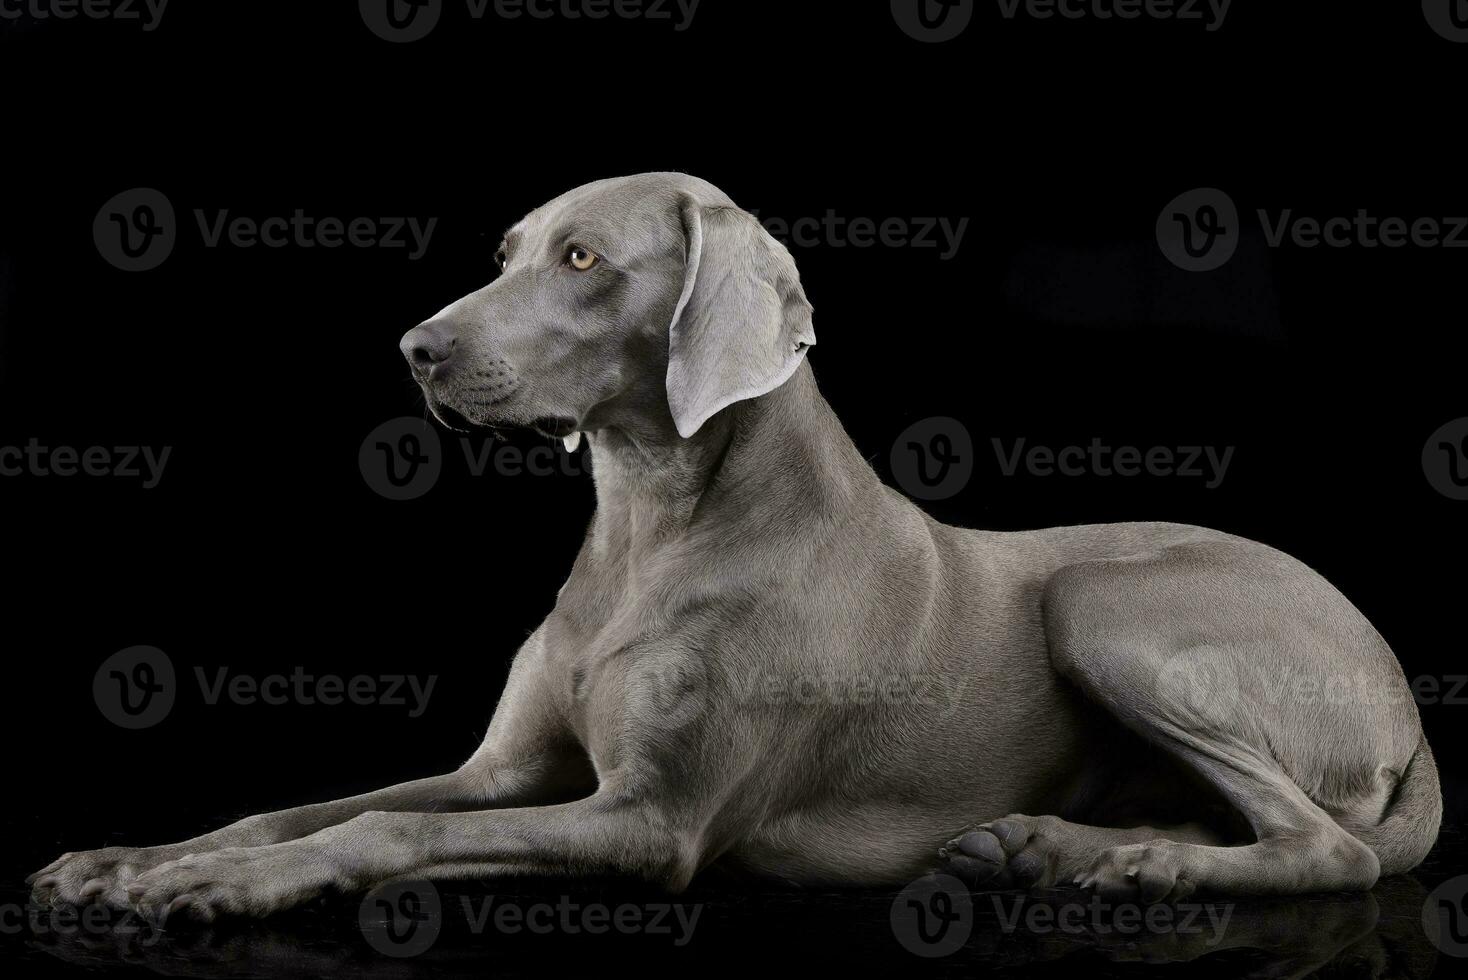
(833, 230)
(934, 917)
(137, 687)
(1282, 684)
(404, 918)
(147, 13)
(1099, 917)
(299, 687)
(1098, 459)
(934, 458)
(1363, 230)
(136, 230)
(304, 231)
(403, 458)
(570, 917)
(1199, 230)
(144, 463)
(1210, 13)
(759, 691)
(89, 920)
(402, 21)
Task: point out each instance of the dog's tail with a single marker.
(1410, 826)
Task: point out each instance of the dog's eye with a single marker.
(581, 258)
(500, 258)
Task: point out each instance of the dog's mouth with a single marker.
(554, 426)
(457, 421)
(557, 427)
(562, 428)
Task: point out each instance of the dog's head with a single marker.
(631, 301)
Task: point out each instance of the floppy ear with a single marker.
(742, 323)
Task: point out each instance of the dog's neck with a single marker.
(782, 455)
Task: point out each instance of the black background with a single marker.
(1059, 321)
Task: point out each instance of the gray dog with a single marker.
(765, 659)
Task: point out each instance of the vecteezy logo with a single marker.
(1445, 916)
(933, 459)
(933, 916)
(400, 20)
(401, 459)
(1445, 459)
(135, 230)
(677, 688)
(1448, 17)
(1200, 682)
(1199, 231)
(402, 918)
(933, 21)
(134, 688)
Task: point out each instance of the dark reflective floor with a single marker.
(719, 927)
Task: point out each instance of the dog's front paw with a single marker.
(100, 876)
(244, 881)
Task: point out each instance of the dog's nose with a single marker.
(429, 345)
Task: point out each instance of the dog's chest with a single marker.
(611, 676)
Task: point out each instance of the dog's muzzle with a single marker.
(462, 387)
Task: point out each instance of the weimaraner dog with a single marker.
(766, 660)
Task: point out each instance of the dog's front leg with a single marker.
(102, 875)
(603, 834)
(527, 758)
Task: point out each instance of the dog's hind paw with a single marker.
(1010, 853)
(1148, 873)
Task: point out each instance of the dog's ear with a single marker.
(742, 323)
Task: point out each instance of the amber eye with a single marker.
(581, 258)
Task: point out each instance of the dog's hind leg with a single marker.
(1202, 651)
(1021, 851)
(1299, 848)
